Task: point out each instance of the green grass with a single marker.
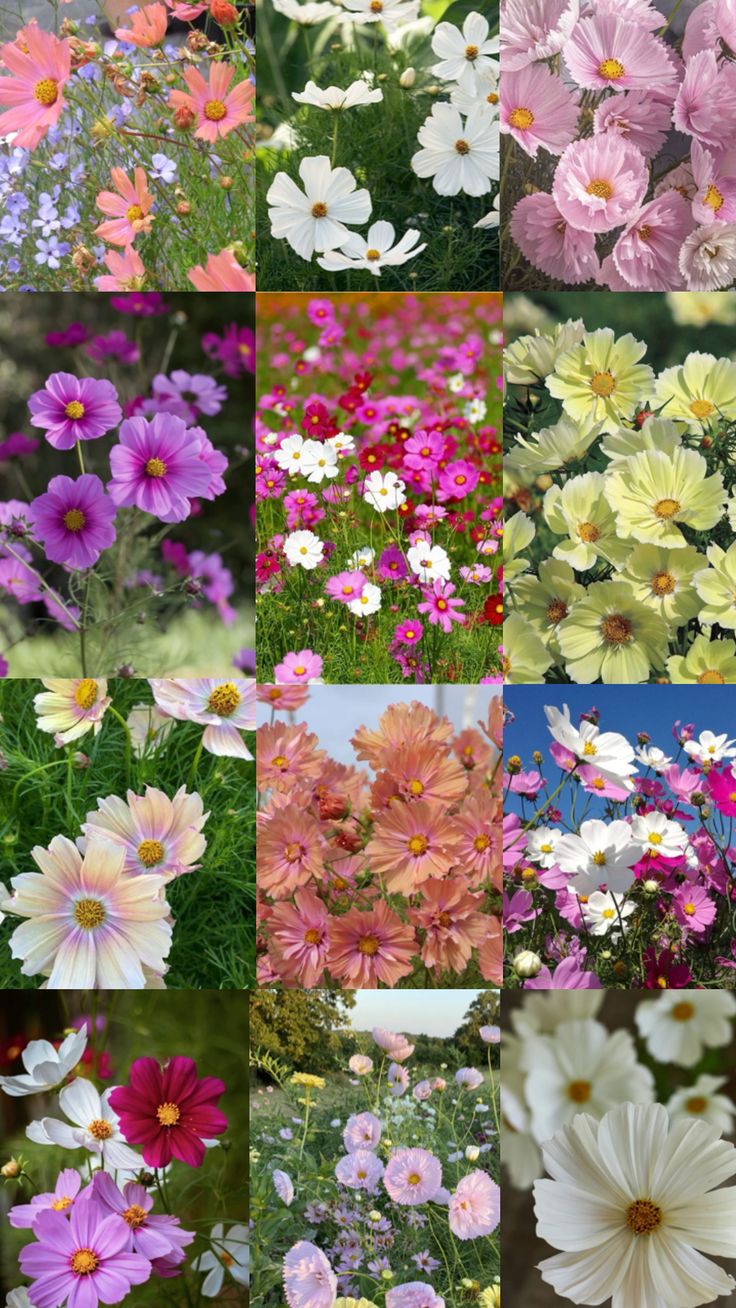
(42, 794)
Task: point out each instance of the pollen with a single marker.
(156, 468)
(602, 384)
(414, 1178)
(226, 1259)
(418, 845)
(697, 1104)
(74, 410)
(471, 52)
(74, 520)
(711, 678)
(683, 1012)
(643, 1216)
(713, 198)
(46, 91)
(319, 210)
(579, 1091)
(373, 255)
(644, 233)
(556, 611)
(135, 1216)
(663, 583)
(86, 693)
(589, 749)
(59, 1205)
(313, 936)
(599, 858)
(89, 913)
(608, 913)
(299, 671)
(481, 843)
(293, 852)
(280, 762)
(368, 945)
(667, 508)
(151, 852)
(611, 69)
(100, 1129)
(600, 188)
(416, 787)
(168, 1114)
(702, 408)
(462, 147)
(83, 1262)
(521, 118)
(689, 909)
(135, 214)
(224, 700)
(616, 629)
(215, 111)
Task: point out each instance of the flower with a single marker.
(384, 491)
(411, 842)
(84, 1257)
(608, 51)
(156, 1236)
(613, 636)
(457, 155)
(709, 748)
(316, 218)
(229, 1251)
(708, 257)
(694, 908)
(465, 56)
(128, 207)
(393, 1043)
(646, 254)
(654, 1179)
(678, 1030)
(70, 708)
(283, 1185)
(169, 1111)
(374, 251)
(156, 833)
(412, 1176)
(708, 662)
(299, 668)
(158, 467)
(304, 549)
(127, 271)
(94, 1126)
(224, 708)
(332, 97)
(603, 912)
(362, 1131)
(89, 924)
(525, 657)
(550, 243)
(221, 273)
(370, 946)
(429, 562)
(538, 110)
(599, 183)
(360, 1064)
(701, 1102)
(217, 109)
(652, 492)
(601, 853)
(662, 577)
(74, 520)
(699, 392)
(533, 30)
(309, 1281)
(413, 1294)
(60, 1199)
(694, 110)
(475, 1207)
(600, 379)
(72, 409)
(441, 605)
(46, 1067)
(148, 27)
(359, 1170)
(40, 67)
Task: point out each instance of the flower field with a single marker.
(124, 529)
(378, 139)
(616, 164)
(377, 489)
(126, 159)
(376, 1183)
(125, 1141)
(126, 819)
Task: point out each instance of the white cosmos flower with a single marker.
(315, 11)
(520, 1152)
(18, 1298)
(707, 257)
(45, 1066)
(485, 92)
(492, 218)
(701, 1102)
(304, 548)
(709, 748)
(601, 854)
(679, 1025)
(582, 1068)
(540, 845)
(465, 56)
(341, 443)
(653, 757)
(660, 836)
(384, 491)
(392, 13)
(457, 155)
(429, 563)
(234, 1247)
(289, 454)
(604, 912)
(335, 99)
(543, 1010)
(633, 1207)
(362, 558)
(374, 251)
(315, 218)
(398, 38)
(369, 601)
(318, 461)
(609, 752)
(95, 1126)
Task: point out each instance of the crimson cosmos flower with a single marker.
(169, 1111)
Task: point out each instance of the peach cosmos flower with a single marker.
(479, 832)
(366, 948)
(218, 109)
(286, 754)
(490, 954)
(410, 843)
(40, 65)
(300, 938)
(423, 772)
(450, 915)
(129, 206)
(127, 271)
(222, 273)
(289, 851)
(187, 13)
(402, 725)
(148, 27)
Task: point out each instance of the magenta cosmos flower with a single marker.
(309, 1281)
(295, 668)
(74, 520)
(156, 1236)
(413, 1176)
(475, 1207)
(550, 243)
(72, 409)
(646, 254)
(441, 605)
(600, 183)
(158, 466)
(84, 1258)
(169, 1111)
(608, 51)
(537, 109)
(224, 708)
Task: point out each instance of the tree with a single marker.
(483, 1011)
(300, 1027)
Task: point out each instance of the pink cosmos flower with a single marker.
(705, 105)
(309, 1281)
(39, 65)
(412, 1176)
(217, 109)
(156, 1236)
(639, 117)
(300, 936)
(128, 206)
(72, 409)
(550, 243)
(408, 633)
(346, 586)
(475, 1207)
(595, 784)
(147, 27)
(282, 698)
(283, 1185)
(413, 1294)
(299, 668)
(60, 1199)
(458, 479)
(533, 30)
(75, 520)
(362, 1131)
(372, 946)
(640, 12)
(397, 1080)
(440, 606)
(84, 1258)
(127, 271)
(186, 12)
(701, 29)
(451, 918)
(599, 183)
(708, 257)
(360, 1170)
(721, 787)
(289, 854)
(694, 907)
(158, 467)
(169, 1111)
(537, 109)
(360, 1064)
(157, 834)
(715, 179)
(411, 842)
(646, 253)
(608, 50)
(222, 273)
(725, 16)
(393, 1043)
(224, 708)
(570, 974)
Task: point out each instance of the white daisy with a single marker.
(709, 748)
(604, 912)
(609, 752)
(700, 1101)
(540, 845)
(289, 454)
(384, 491)
(633, 1207)
(458, 155)
(429, 563)
(374, 251)
(369, 601)
(304, 549)
(94, 1126)
(678, 1027)
(229, 1251)
(465, 56)
(332, 97)
(602, 854)
(318, 461)
(314, 219)
(45, 1066)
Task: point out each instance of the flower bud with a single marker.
(527, 964)
(472, 1153)
(408, 78)
(387, 1274)
(223, 12)
(651, 887)
(513, 765)
(11, 1168)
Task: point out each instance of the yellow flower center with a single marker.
(312, 936)
(579, 1091)
(599, 858)
(471, 52)
(226, 1259)
(643, 1216)
(224, 700)
(84, 1261)
(299, 671)
(86, 693)
(557, 608)
(416, 787)
(667, 508)
(156, 468)
(319, 210)
(279, 762)
(683, 1012)
(368, 945)
(100, 1129)
(168, 1114)
(713, 198)
(215, 110)
(689, 909)
(521, 118)
(697, 1104)
(293, 852)
(418, 845)
(711, 678)
(414, 1178)
(702, 408)
(663, 583)
(611, 69)
(616, 629)
(603, 383)
(481, 843)
(60, 1204)
(372, 255)
(134, 213)
(46, 91)
(74, 410)
(89, 913)
(655, 838)
(135, 1216)
(600, 188)
(506, 665)
(462, 147)
(151, 852)
(608, 913)
(74, 520)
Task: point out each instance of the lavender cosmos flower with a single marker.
(75, 520)
(72, 409)
(83, 1258)
(309, 1281)
(158, 466)
(157, 1236)
(60, 1199)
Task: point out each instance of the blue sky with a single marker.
(434, 1013)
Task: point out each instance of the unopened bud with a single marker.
(472, 1153)
(11, 1168)
(527, 964)
(408, 78)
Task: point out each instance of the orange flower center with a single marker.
(74, 520)
(697, 1104)
(471, 52)
(702, 408)
(135, 1216)
(151, 852)
(319, 210)
(611, 69)
(168, 1114)
(215, 110)
(711, 678)
(643, 1216)
(481, 843)
(60, 1204)
(588, 532)
(418, 845)
(89, 913)
(134, 213)
(683, 1012)
(663, 583)
(579, 1091)
(46, 91)
(521, 118)
(602, 383)
(100, 1129)
(666, 508)
(600, 188)
(616, 629)
(84, 1261)
(368, 945)
(86, 693)
(293, 852)
(312, 936)
(224, 700)
(462, 147)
